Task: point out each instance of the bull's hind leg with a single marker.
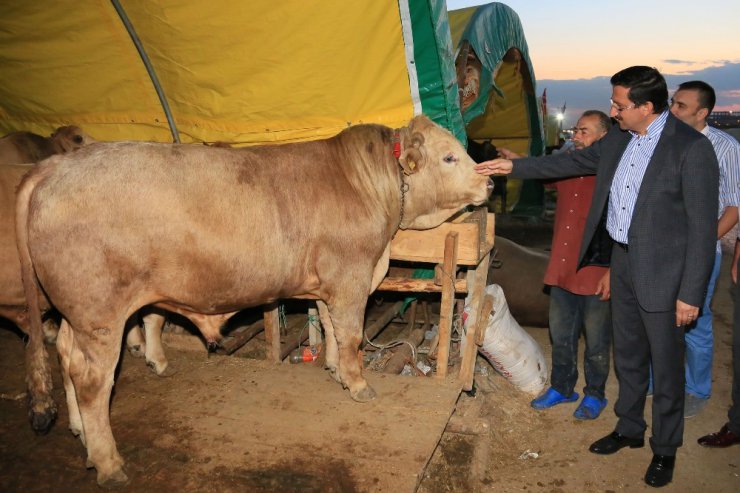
(64, 349)
(330, 343)
(42, 411)
(347, 320)
(93, 355)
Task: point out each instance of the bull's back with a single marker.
(155, 222)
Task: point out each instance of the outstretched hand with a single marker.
(494, 167)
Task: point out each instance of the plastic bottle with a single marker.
(304, 355)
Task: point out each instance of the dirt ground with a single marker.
(547, 451)
(494, 441)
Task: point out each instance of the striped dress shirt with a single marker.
(727, 149)
(628, 178)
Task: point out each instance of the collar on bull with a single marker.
(401, 173)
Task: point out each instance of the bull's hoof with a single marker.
(335, 375)
(78, 433)
(42, 418)
(166, 371)
(365, 394)
(117, 479)
(50, 339)
(137, 350)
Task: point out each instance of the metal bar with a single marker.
(149, 68)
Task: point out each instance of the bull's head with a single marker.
(440, 174)
(70, 138)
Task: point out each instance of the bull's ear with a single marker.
(411, 160)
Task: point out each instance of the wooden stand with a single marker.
(464, 241)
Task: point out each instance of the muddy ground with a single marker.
(494, 440)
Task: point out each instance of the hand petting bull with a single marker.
(207, 231)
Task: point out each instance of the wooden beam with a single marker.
(406, 284)
(272, 333)
(448, 300)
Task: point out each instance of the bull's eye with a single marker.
(78, 139)
(450, 159)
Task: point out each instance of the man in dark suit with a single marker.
(657, 183)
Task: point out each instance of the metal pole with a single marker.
(149, 68)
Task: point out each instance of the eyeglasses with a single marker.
(620, 109)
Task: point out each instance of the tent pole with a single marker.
(149, 69)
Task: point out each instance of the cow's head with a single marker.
(70, 138)
(439, 174)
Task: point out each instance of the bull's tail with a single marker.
(42, 410)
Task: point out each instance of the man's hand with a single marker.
(494, 167)
(507, 154)
(685, 314)
(602, 287)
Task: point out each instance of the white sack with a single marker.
(509, 348)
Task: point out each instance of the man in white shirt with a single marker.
(692, 103)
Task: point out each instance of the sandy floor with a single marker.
(494, 441)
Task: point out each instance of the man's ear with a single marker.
(703, 113)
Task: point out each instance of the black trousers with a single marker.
(734, 413)
(639, 338)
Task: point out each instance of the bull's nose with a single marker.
(489, 185)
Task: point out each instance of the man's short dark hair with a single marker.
(645, 84)
(707, 98)
(604, 121)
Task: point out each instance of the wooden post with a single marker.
(448, 301)
(314, 327)
(272, 332)
(476, 289)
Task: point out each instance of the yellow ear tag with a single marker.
(412, 164)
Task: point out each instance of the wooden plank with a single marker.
(476, 238)
(239, 337)
(418, 285)
(448, 300)
(428, 245)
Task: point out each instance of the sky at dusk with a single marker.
(576, 46)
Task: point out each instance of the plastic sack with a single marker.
(510, 350)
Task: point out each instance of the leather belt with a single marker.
(623, 246)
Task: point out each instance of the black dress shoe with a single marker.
(723, 438)
(613, 442)
(660, 471)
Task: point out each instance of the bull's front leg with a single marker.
(155, 358)
(347, 320)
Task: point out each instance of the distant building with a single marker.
(724, 119)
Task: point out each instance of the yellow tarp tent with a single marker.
(240, 72)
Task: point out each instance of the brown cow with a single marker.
(208, 231)
(13, 299)
(27, 147)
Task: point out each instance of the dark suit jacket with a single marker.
(673, 233)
